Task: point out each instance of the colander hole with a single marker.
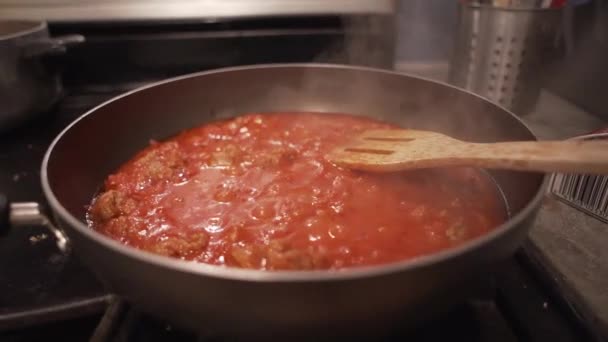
(523, 52)
(503, 89)
(508, 65)
(492, 76)
(497, 52)
(499, 39)
(490, 88)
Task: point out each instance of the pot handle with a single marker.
(28, 213)
(4, 214)
(51, 46)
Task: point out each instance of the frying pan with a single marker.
(218, 300)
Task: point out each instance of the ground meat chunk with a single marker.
(278, 256)
(183, 246)
(227, 156)
(111, 204)
(282, 257)
(123, 227)
(293, 260)
(159, 163)
(276, 156)
(247, 256)
(457, 231)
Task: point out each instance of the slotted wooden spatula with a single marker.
(397, 150)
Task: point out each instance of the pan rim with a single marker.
(34, 26)
(238, 274)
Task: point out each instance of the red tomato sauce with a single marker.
(257, 192)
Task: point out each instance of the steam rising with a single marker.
(410, 103)
(367, 41)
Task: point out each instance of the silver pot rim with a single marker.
(31, 26)
(516, 9)
(252, 275)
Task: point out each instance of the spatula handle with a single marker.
(575, 156)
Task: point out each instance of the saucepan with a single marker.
(28, 84)
(233, 301)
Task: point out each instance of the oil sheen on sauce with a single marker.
(256, 192)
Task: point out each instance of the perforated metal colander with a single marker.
(499, 52)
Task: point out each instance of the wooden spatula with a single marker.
(397, 150)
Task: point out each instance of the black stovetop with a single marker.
(39, 282)
(48, 295)
(509, 306)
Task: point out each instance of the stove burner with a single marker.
(511, 306)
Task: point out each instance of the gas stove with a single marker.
(48, 295)
(515, 310)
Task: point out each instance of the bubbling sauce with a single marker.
(257, 192)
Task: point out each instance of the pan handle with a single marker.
(29, 213)
(51, 46)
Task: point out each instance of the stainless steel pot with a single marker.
(28, 85)
(250, 302)
(499, 52)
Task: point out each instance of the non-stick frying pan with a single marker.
(209, 298)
